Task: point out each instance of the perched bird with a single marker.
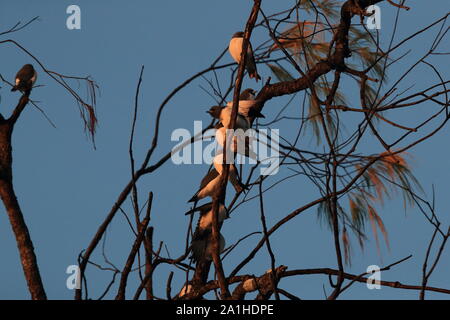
(201, 244)
(202, 248)
(248, 105)
(204, 224)
(233, 175)
(235, 49)
(242, 143)
(25, 78)
(248, 109)
(208, 186)
(224, 115)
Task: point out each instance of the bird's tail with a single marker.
(14, 89)
(194, 198)
(253, 112)
(237, 183)
(255, 75)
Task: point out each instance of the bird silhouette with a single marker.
(25, 78)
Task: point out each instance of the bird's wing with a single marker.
(251, 64)
(203, 209)
(210, 176)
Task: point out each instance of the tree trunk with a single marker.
(23, 239)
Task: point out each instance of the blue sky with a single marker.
(66, 188)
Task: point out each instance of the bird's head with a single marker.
(28, 67)
(247, 94)
(239, 34)
(215, 111)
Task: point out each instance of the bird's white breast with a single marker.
(206, 220)
(220, 138)
(34, 78)
(235, 48)
(244, 106)
(218, 163)
(225, 118)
